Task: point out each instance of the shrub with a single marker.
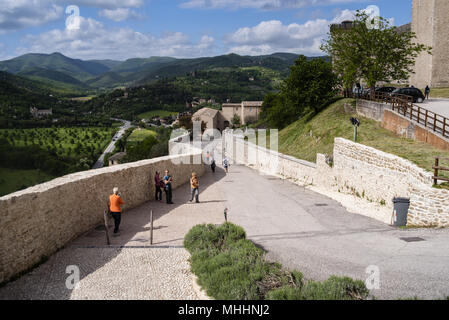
(335, 288)
(285, 293)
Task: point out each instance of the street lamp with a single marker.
(356, 123)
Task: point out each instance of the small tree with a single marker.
(236, 121)
(374, 54)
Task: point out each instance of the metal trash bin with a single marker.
(401, 206)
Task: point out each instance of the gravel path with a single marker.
(130, 268)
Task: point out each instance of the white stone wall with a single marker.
(357, 169)
(36, 222)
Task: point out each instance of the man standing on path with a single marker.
(427, 92)
(158, 185)
(168, 188)
(115, 203)
(194, 184)
(226, 164)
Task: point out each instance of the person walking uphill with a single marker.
(115, 203)
(168, 187)
(158, 185)
(194, 184)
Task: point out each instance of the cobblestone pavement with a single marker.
(130, 268)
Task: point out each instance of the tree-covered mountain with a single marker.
(79, 75)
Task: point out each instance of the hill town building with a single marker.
(40, 113)
(247, 111)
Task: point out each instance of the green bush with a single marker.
(335, 288)
(230, 267)
(285, 293)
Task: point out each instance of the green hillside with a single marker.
(73, 74)
(305, 138)
(75, 68)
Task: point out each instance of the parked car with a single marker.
(386, 89)
(417, 94)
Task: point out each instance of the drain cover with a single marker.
(413, 239)
(321, 205)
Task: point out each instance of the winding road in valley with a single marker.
(110, 148)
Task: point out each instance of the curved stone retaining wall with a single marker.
(38, 221)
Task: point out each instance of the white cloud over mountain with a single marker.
(274, 36)
(94, 41)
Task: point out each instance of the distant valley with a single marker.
(73, 76)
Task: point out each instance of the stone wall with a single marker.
(428, 207)
(371, 109)
(36, 222)
(356, 169)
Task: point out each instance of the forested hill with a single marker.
(75, 75)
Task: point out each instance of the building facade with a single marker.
(430, 22)
(247, 111)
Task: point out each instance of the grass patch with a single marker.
(140, 135)
(309, 136)
(156, 113)
(439, 93)
(12, 180)
(230, 267)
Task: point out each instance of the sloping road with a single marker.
(316, 235)
(439, 106)
(110, 148)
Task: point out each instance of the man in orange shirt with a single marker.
(115, 202)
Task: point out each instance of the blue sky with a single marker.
(123, 29)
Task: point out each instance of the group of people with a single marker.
(165, 183)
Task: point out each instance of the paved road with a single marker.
(110, 148)
(310, 232)
(439, 106)
(299, 228)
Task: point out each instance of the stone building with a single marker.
(40, 113)
(248, 111)
(430, 22)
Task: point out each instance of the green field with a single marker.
(307, 137)
(12, 180)
(439, 93)
(33, 156)
(63, 141)
(156, 113)
(140, 135)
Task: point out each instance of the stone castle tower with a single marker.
(431, 24)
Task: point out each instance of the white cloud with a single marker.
(274, 36)
(119, 14)
(94, 41)
(18, 14)
(260, 4)
(105, 4)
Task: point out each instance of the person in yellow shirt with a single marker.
(194, 184)
(115, 203)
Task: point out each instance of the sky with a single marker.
(124, 29)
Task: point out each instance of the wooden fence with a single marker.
(403, 105)
(438, 168)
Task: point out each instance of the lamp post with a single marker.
(356, 123)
